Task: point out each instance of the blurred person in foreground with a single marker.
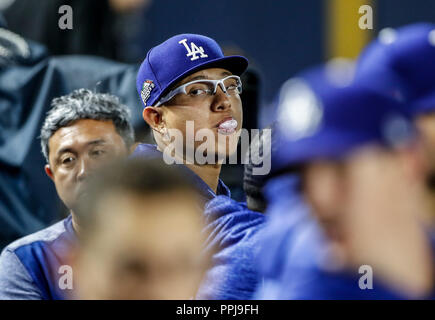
(135, 244)
(82, 131)
(407, 56)
(191, 97)
(351, 186)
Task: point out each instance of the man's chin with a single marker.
(81, 197)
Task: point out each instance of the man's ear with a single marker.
(153, 116)
(49, 172)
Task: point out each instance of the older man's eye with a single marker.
(68, 160)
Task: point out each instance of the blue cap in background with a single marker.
(320, 116)
(401, 62)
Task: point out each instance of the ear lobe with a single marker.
(48, 171)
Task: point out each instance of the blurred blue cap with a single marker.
(178, 57)
(321, 115)
(401, 62)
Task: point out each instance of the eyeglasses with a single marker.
(198, 89)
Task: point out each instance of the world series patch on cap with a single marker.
(178, 57)
(147, 87)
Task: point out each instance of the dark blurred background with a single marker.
(280, 38)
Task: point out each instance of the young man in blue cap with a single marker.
(189, 89)
(187, 78)
(358, 196)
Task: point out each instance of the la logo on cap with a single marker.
(193, 51)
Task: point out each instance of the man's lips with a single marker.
(227, 126)
(224, 120)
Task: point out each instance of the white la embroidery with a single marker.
(193, 50)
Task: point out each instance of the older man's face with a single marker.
(76, 150)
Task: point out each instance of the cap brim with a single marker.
(235, 64)
(424, 105)
(326, 145)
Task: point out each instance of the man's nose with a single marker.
(85, 169)
(221, 101)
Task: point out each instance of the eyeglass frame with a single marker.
(182, 88)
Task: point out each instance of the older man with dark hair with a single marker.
(82, 131)
(30, 78)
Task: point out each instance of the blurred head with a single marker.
(330, 133)
(333, 188)
(174, 83)
(82, 131)
(135, 244)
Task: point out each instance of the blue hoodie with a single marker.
(30, 268)
(232, 232)
(233, 240)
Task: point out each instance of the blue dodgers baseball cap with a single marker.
(320, 118)
(402, 62)
(178, 57)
